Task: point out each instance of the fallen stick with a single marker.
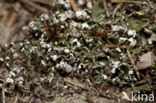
(11, 18)
(127, 1)
(76, 84)
(3, 95)
(38, 7)
(117, 8)
(73, 4)
(47, 2)
(106, 9)
(16, 99)
(140, 82)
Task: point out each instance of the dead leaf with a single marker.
(146, 61)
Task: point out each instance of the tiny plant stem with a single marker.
(76, 84)
(133, 64)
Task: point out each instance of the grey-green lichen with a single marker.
(66, 42)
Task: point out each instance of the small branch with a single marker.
(73, 4)
(16, 99)
(76, 84)
(141, 82)
(106, 9)
(146, 79)
(38, 7)
(127, 1)
(3, 94)
(91, 77)
(117, 8)
(11, 18)
(47, 2)
(132, 62)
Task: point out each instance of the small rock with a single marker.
(146, 61)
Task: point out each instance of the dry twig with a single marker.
(11, 18)
(76, 84)
(90, 76)
(106, 9)
(132, 62)
(141, 82)
(117, 8)
(16, 99)
(47, 2)
(73, 4)
(3, 94)
(38, 7)
(128, 1)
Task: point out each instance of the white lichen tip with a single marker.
(77, 42)
(7, 58)
(1, 59)
(43, 62)
(12, 74)
(10, 80)
(116, 64)
(44, 17)
(105, 76)
(54, 57)
(81, 2)
(85, 26)
(67, 51)
(81, 14)
(132, 41)
(33, 25)
(63, 65)
(62, 17)
(118, 28)
(152, 39)
(132, 33)
(118, 49)
(89, 5)
(66, 3)
(113, 70)
(130, 72)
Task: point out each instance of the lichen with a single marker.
(68, 42)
